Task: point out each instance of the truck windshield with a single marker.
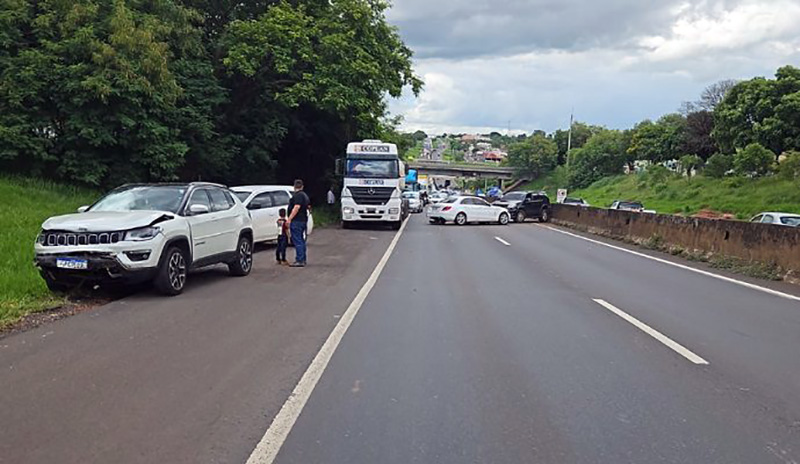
(384, 169)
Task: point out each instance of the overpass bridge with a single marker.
(473, 170)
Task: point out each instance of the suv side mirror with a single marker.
(83, 209)
(198, 209)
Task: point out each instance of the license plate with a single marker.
(72, 263)
(371, 182)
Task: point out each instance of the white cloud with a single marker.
(531, 62)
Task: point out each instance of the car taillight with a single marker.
(447, 208)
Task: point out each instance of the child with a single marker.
(283, 237)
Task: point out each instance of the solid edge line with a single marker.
(267, 449)
(682, 266)
(676, 347)
(502, 241)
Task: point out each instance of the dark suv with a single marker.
(524, 205)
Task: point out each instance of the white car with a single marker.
(264, 203)
(463, 210)
(782, 219)
(147, 232)
(414, 201)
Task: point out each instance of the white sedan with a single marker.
(414, 201)
(782, 219)
(264, 203)
(463, 210)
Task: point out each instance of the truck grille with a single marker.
(371, 195)
(80, 238)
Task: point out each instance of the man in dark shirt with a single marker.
(298, 222)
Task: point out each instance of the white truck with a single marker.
(374, 180)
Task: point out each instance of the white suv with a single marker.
(147, 232)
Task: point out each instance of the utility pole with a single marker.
(569, 137)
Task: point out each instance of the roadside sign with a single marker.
(561, 195)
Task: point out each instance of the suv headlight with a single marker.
(40, 238)
(142, 234)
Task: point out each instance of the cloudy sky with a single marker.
(488, 62)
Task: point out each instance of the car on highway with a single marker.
(264, 203)
(634, 206)
(467, 209)
(147, 232)
(523, 205)
(781, 219)
(575, 202)
(414, 201)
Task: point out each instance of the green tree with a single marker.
(661, 141)
(754, 159)
(604, 154)
(689, 163)
(581, 133)
(789, 168)
(764, 111)
(718, 165)
(534, 156)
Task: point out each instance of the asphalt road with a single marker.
(477, 344)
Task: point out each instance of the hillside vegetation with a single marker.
(674, 194)
(26, 204)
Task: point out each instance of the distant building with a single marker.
(494, 156)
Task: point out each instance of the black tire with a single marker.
(503, 220)
(461, 219)
(243, 263)
(545, 216)
(521, 216)
(171, 277)
(55, 286)
(433, 221)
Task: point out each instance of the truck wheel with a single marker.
(545, 216)
(243, 263)
(171, 277)
(54, 285)
(461, 219)
(520, 216)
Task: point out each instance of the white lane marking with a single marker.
(267, 449)
(653, 333)
(502, 241)
(788, 296)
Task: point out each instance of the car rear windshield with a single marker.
(242, 194)
(515, 196)
(451, 200)
(791, 220)
(143, 198)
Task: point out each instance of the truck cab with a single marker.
(374, 180)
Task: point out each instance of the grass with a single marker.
(26, 204)
(327, 215)
(741, 197)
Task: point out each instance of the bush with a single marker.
(690, 163)
(789, 168)
(718, 165)
(657, 174)
(754, 160)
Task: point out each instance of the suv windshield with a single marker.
(630, 205)
(383, 169)
(514, 196)
(142, 198)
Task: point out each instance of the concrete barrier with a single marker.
(762, 243)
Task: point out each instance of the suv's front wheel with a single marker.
(243, 263)
(171, 277)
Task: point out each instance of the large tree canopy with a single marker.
(763, 111)
(142, 90)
